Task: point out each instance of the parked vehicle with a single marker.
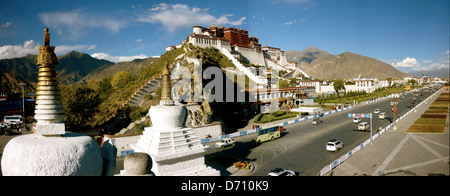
(364, 126)
(14, 121)
(281, 172)
(334, 145)
(225, 142)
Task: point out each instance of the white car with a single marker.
(356, 120)
(382, 115)
(376, 111)
(14, 121)
(225, 142)
(364, 126)
(281, 172)
(334, 145)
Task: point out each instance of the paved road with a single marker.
(302, 147)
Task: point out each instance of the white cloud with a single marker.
(176, 16)
(92, 47)
(31, 47)
(434, 66)
(407, 62)
(117, 59)
(76, 22)
(139, 40)
(290, 22)
(446, 52)
(6, 25)
(16, 51)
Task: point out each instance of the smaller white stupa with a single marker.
(175, 149)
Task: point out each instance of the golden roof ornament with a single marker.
(47, 54)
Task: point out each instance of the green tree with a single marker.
(121, 79)
(412, 82)
(338, 85)
(283, 83)
(104, 88)
(80, 104)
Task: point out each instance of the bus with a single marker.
(267, 134)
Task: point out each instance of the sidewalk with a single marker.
(397, 153)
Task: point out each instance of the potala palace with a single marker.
(236, 44)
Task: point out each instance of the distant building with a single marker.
(14, 107)
(240, 44)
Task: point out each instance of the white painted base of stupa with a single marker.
(71, 154)
(177, 152)
(50, 129)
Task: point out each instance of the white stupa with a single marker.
(51, 151)
(175, 149)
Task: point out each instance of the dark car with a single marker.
(317, 121)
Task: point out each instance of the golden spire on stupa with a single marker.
(48, 112)
(166, 93)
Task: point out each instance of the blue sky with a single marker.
(408, 34)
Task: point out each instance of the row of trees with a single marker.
(351, 94)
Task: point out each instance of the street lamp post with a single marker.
(370, 115)
(341, 93)
(415, 92)
(23, 98)
(394, 98)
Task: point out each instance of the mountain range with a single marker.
(74, 67)
(322, 65)
(77, 68)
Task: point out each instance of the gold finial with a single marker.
(46, 37)
(47, 54)
(166, 94)
(166, 69)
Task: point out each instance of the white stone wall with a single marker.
(123, 142)
(209, 42)
(252, 55)
(213, 130)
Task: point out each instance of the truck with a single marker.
(225, 142)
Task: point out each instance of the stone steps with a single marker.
(145, 89)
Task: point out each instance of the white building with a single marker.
(361, 84)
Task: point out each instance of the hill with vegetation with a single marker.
(112, 92)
